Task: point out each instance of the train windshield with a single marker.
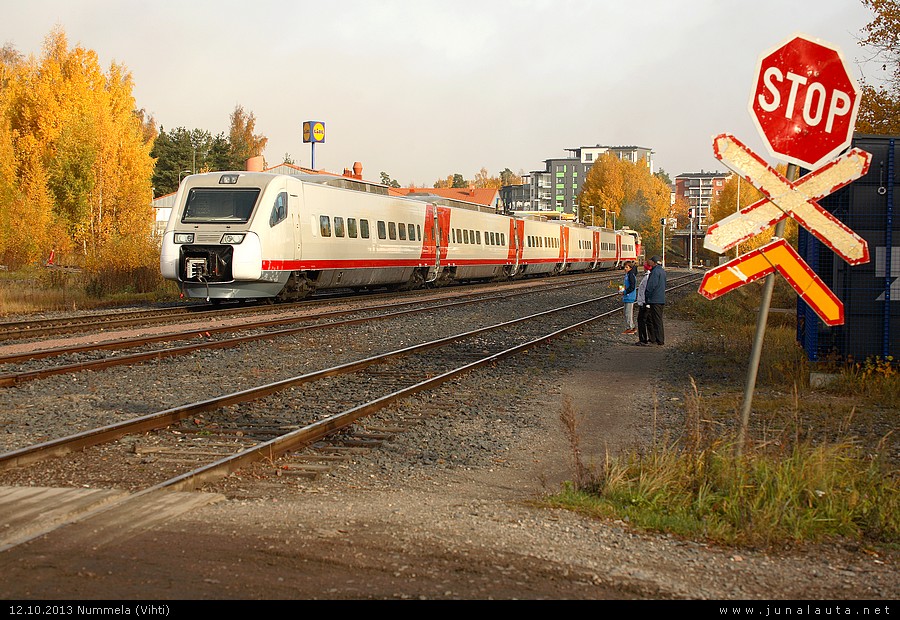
(206, 205)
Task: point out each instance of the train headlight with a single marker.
(232, 238)
(228, 179)
(184, 237)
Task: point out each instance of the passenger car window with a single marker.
(279, 209)
(338, 226)
(382, 231)
(351, 227)
(364, 229)
(325, 225)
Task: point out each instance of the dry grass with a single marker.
(54, 290)
(817, 463)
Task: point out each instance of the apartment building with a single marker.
(556, 188)
(698, 190)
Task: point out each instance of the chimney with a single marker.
(347, 172)
(255, 164)
(357, 170)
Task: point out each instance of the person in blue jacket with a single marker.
(629, 295)
(655, 300)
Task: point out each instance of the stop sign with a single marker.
(805, 101)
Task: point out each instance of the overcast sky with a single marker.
(422, 89)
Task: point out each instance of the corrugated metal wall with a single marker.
(870, 292)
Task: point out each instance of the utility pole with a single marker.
(691, 240)
(663, 222)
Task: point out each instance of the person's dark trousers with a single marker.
(642, 317)
(655, 330)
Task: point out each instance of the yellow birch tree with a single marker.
(81, 168)
(638, 199)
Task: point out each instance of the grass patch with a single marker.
(817, 464)
(40, 289)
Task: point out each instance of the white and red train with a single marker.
(255, 235)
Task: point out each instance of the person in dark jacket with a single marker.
(655, 300)
(643, 340)
(629, 295)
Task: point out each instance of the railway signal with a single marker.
(785, 198)
(781, 257)
(804, 104)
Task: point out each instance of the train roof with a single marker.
(449, 202)
(343, 182)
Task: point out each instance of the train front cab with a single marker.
(212, 246)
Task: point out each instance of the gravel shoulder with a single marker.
(446, 510)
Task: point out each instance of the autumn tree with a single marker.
(638, 198)
(180, 151)
(483, 179)
(244, 143)
(879, 110)
(74, 160)
(506, 177)
(452, 180)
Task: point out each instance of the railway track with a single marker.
(102, 354)
(183, 448)
(29, 329)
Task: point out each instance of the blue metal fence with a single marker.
(870, 292)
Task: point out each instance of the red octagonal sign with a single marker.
(805, 101)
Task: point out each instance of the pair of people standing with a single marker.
(651, 300)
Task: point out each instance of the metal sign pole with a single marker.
(761, 321)
(663, 222)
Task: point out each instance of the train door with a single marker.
(277, 234)
(595, 249)
(563, 248)
(516, 244)
(618, 250)
(431, 243)
(294, 210)
(436, 239)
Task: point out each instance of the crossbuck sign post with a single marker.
(804, 105)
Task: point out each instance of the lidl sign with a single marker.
(313, 131)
